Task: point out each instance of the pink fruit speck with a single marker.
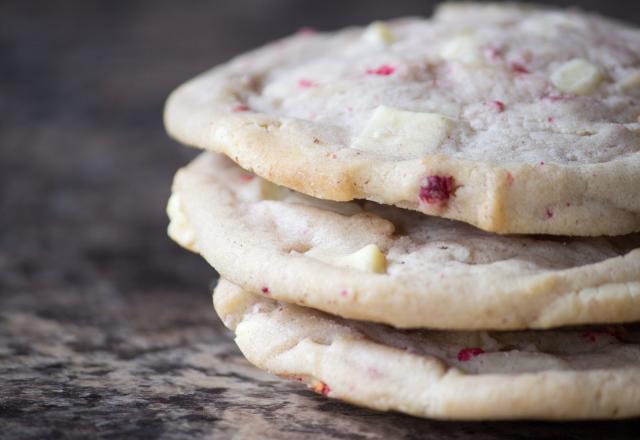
(265, 290)
(384, 70)
(509, 178)
(468, 353)
(240, 108)
(436, 189)
(305, 83)
(518, 68)
(497, 106)
(322, 388)
(306, 31)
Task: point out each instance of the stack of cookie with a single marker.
(433, 216)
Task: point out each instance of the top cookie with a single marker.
(512, 118)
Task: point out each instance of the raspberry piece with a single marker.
(306, 31)
(518, 68)
(240, 108)
(436, 189)
(322, 388)
(305, 83)
(265, 290)
(467, 353)
(384, 70)
(497, 106)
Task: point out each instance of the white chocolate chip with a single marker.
(577, 76)
(464, 48)
(631, 81)
(378, 33)
(180, 229)
(367, 259)
(403, 133)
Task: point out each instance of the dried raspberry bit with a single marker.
(305, 83)
(468, 353)
(246, 177)
(436, 189)
(240, 108)
(551, 119)
(509, 178)
(554, 97)
(541, 162)
(548, 213)
(610, 332)
(497, 106)
(384, 70)
(518, 68)
(322, 388)
(265, 290)
(306, 31)
(344, 293)
(373, 373)
(493, 54)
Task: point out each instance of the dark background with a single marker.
(90, 287)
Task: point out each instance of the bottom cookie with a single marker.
(578, 373)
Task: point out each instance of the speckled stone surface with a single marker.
(106, 327)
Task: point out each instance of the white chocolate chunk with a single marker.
(367, 259)
(379, 33)
(577, 76)
(180, 229)
(631, 81)
(463, 48)
(403, 133)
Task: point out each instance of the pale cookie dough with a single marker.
(588, 373)
(384, 264)
(514, 119)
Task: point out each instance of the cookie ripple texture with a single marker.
(552, 374)
(530, 115)
(428, 271)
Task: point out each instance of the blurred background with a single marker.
(85, 171)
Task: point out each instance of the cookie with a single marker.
(512, 118)
(385, 264)
(564, 374)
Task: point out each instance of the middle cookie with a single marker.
(384, 264)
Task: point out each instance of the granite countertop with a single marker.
(106, 327)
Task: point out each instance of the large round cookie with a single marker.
(385, 264)
(552, 374)
(511, 118)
